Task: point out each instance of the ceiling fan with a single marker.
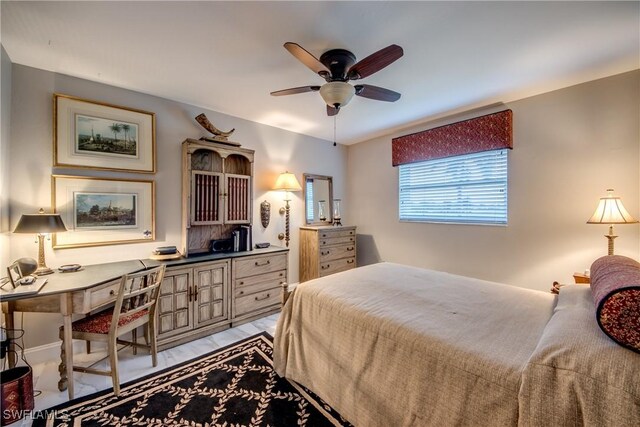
(337, 67)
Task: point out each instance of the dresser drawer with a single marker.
(335, 266)
(259, 287)
(337, 240)
(336, 252)
(274, 276)
(252, 266)
(257, 301)
(336, 232)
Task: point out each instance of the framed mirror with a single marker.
(318, 197)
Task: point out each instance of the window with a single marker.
(467, 189)
(309, 196)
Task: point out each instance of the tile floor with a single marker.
(45, 375)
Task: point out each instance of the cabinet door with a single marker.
(206, 197)
(238, 202)
(211, 293)
(174, 308)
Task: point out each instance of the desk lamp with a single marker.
(611, 211)
(41, 224)
(287, 182)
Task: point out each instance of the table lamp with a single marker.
(287, 182)
(41, 224)
(611, 211)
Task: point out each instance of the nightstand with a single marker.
(581, 278)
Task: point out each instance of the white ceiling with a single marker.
(228, 56)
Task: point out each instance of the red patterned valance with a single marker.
(490, 132)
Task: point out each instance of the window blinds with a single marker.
(468, 189)
(309, 197)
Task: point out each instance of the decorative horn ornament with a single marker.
(217, 133)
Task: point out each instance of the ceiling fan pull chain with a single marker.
(334, 130)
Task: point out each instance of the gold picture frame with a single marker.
(103, 211)
(14, 274)
(96, 135)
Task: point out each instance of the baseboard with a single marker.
(51, 352)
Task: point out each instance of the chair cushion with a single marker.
(99, 323)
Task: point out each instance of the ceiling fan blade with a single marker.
(294, 90)
(375, 62)
(307, 59)
(332, 111)
(377, 93)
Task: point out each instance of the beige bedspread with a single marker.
(391, 345)
(577, 375)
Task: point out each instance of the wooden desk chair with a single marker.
(135, 306)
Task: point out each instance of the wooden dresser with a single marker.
(326, 250)
(206, 294)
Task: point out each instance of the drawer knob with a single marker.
(242, 283)
(324, 243)
(324, 235)
(258, 264)
(350, 248)
(350, 261)
(112, 292)
(324, 267)
(325, 253)
(263, 298)
(281, 274)
(241, 292)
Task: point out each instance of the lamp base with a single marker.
(610, 238)
(43, 271)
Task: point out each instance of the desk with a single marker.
(246, 291)
(79, 292)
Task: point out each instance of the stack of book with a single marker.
(242, 239)
(165, 252)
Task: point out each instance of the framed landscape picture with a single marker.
(100, 211)
(95, 135)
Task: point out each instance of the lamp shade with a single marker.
(610, 210)
(287, 182)
(40, 223)
(337, 93)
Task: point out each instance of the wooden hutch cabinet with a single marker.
(206, 292)
(217, 192)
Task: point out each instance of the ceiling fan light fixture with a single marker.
(337, 93)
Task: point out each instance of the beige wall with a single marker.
(570, 145)
(5, 126)
(31, 168)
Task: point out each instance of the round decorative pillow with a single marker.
(615, 285)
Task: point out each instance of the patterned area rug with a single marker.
(233, 386)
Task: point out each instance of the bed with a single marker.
(393, 345)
